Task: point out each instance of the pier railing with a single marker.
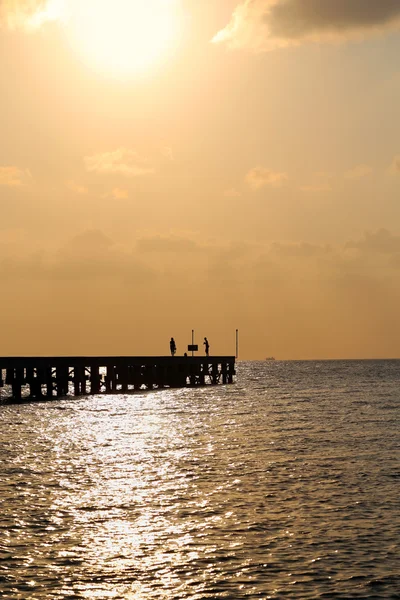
(78, 375)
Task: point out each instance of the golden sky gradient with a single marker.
(178, 164)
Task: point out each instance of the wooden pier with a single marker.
(39, 377)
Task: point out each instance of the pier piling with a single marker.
(62, 376)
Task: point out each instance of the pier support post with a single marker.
(76, 380)
(122, 373)
(150, 377)
(215, 374)
(29, 377)
(231, 372)
(62, 375)
(18, 382)
(16, 389)
(224, 368)
(123, 376)
(10, 376)
(137, 377)
(202, 374)
(110, 379)
(80, 380)
(35, 383)
(49, 382)
(94, 380)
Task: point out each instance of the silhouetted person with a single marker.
(206, 346)
(172, 347)
(185, 355)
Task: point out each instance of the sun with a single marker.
(124, 37)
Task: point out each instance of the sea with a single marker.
(282, 485)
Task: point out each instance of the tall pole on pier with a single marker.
(192, 341)
(237, 343)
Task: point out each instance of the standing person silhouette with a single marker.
(206, 346)
(172, 346)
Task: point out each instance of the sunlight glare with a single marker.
(124, 37)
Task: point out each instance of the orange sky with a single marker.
(182, 166)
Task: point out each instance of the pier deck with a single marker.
(82, 375)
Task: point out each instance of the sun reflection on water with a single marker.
(195, 494)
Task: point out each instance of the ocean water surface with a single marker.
(283, 485)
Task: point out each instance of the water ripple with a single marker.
(284, 485)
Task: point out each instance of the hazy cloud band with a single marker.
(267, 24)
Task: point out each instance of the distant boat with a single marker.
(270, 358)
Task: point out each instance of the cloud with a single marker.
(119, 194)
(118, 162)
(232, 193)
(92, 255)
(14, 177)
(300, 250)
(358, 172)
(264, 25)
(380, 242)
(314, 300)
(395, 166)
(260, 177)
(81, 190)
(173, 243)
(90, 240)
(316, 188)
(30, 14)
(167, 152)
(320, 182)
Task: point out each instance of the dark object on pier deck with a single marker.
(80, 375)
